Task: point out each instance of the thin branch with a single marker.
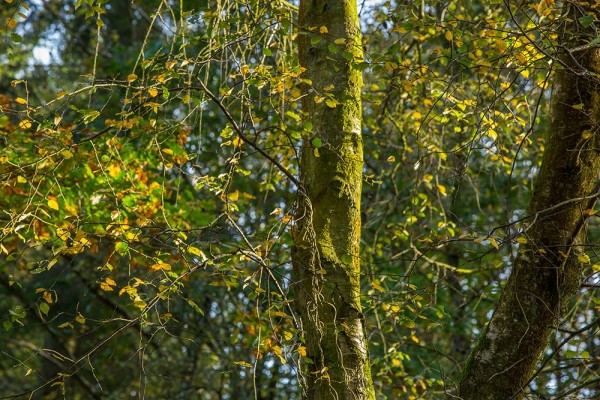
(559, 347)
(577, 388)
(241, 134)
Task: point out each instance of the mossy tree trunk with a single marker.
(327, 235)
(547, 271)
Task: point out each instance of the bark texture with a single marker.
(547, 272)
(327, 235)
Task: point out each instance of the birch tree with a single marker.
(547, 272)
(326, 255)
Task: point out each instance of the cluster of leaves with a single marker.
(148, 172)
(455, 123)
(134, 205)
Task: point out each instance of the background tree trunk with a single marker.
(547, 271)
(326, 252)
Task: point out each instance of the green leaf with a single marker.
(317, 142)
(293, 116)
(585, 355)
(44, 308)
(332, 103)
(121, 248)
(586, 20)
(129, 201)
(195, 306)
(348, 55)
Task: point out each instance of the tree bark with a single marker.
(547, 271)
(327, 234)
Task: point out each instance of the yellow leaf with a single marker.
(110, 282)
(48, 297)
(243, 364)
(494, 243)
(590, 212)
(234, 196)
(25, 124)
(21, 100)
(442, 189)
(414, 339)
(196, 252)
(153, 92)
(139, 303)
(302, 351)
(449, 36)
(53, 204)
(584, 258)
(153, 185)
(80, 318)
(521, 240)
(131, 77)
(66, 154)
(391, 159)
(161, 266)
(11, 23)
(237, 141)
(323, 29)
(114, 170)
(376, 285)
(167, 151)
(245, 69)
(63, 233)
(501, 45)
(277, 350)
(396, 362)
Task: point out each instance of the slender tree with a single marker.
(326, 253)
(547, 272)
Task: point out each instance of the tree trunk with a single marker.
(547, 271)
(327, 235)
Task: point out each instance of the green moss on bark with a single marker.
(326, 251)
(547, 272)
